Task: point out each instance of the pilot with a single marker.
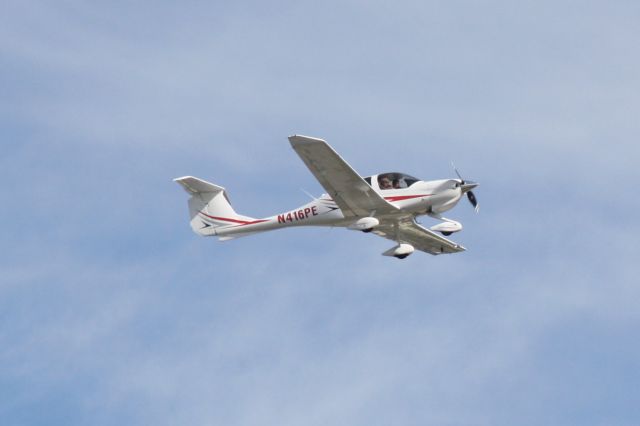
(396, 184)
(385, 183)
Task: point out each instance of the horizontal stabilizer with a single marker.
(193, 185)
(239, 235)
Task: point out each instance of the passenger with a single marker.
(385, 183)
(396, 184)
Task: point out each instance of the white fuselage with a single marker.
(420, 198)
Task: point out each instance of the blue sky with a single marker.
(113, 312)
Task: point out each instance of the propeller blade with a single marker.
(457, 173)
(467, 186)
(473, 200)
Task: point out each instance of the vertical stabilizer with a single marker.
(209, 206)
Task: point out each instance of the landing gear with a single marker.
(367, 230)
(400, 251)
(447, 226)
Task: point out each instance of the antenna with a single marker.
(310, 196)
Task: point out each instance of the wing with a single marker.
(352, 194)
(408, 231)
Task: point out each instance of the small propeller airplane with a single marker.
(386, 204)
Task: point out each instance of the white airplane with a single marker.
(386, 204)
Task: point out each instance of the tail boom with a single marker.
(211, 213)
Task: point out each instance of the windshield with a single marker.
(395, 180)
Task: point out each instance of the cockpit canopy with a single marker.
(393, 180)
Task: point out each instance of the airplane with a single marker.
(386, 204)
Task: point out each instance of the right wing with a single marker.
(408, 231)
(352, 194)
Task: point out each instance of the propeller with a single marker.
(467, 187)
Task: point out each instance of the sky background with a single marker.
(113, 312)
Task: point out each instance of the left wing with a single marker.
(352, 194)
(408, 231)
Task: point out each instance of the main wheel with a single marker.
(446, 233)
(401, 256)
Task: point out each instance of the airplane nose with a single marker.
(468, 186)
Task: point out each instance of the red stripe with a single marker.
(240, 222)
(405, 197)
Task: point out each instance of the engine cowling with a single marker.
(365, 224)
(400, 251)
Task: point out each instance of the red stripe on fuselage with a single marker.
(239, 222)
(405, 197)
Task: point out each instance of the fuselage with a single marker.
(411, 196)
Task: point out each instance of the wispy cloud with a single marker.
(114, 312)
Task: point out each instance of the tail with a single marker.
(209, 206)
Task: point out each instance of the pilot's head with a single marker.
(385, 183)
